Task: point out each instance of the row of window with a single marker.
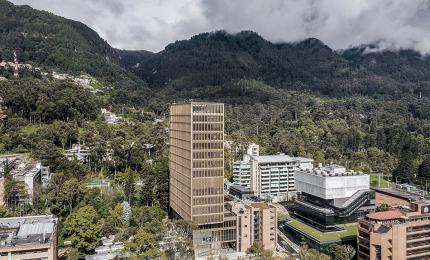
(207, 209)
(208, 218)
(208, 173)
(208, 127)
(208, 191)
(208, 200)
(208, 118)
(208, 136)
(206, 146)
(208, 155)
(208, 163)
(208, 108)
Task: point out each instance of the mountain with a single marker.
(211, 59)
(53, 43)
(209, 64)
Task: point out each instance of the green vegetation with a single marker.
(380, 181)
(350, 230)
(303, 99)
(342, 252)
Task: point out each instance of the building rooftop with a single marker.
(399, 193)
(386, 215)
(26, 230)
(260, 205)
(273, 158)
(332, 171)
(349, 230)
(241, 189)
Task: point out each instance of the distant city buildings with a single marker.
(269, 176)
(396, 234)
(30, 237)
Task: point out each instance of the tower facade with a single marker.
(197, 161)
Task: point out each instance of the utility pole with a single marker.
(379, 180)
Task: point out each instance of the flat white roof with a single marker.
(279, 158)
(273, 158)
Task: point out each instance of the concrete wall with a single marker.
(330, 187)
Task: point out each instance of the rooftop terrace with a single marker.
(348, 231)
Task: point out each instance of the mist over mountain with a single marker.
(210, 59)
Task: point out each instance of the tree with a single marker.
(129, 184)
(115, 215)
(71, 191)
(406, 169)
(424, 168)
(307, 253)
(83, 228)
(258, 250)
(383, 207)
(341, 252)
(143, 245)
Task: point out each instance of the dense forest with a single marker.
(360, 108)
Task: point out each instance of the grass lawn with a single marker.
(350, 230)
(384, 181)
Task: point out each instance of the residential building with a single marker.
(401, 195)
(396, 234)
(110, 249)
(77, 152)
(253, 149)
(110, 117)
(269, 176)
(255, 222)
(197, 162)
(31, 237)
(25, 172)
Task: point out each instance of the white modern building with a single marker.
(331, 182)
(269, 176)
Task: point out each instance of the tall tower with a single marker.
(197, 161)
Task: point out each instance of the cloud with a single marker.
(152, 24)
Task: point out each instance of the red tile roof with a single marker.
(386, 215)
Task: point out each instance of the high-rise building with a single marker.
(396, 234)
(197, 161)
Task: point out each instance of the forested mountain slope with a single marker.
(53, 43)
(210, 59)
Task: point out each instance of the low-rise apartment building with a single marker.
(244, 224)
(25, 172)
(396, 234)
(31, 237)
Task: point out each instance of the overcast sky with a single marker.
(152, 24)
